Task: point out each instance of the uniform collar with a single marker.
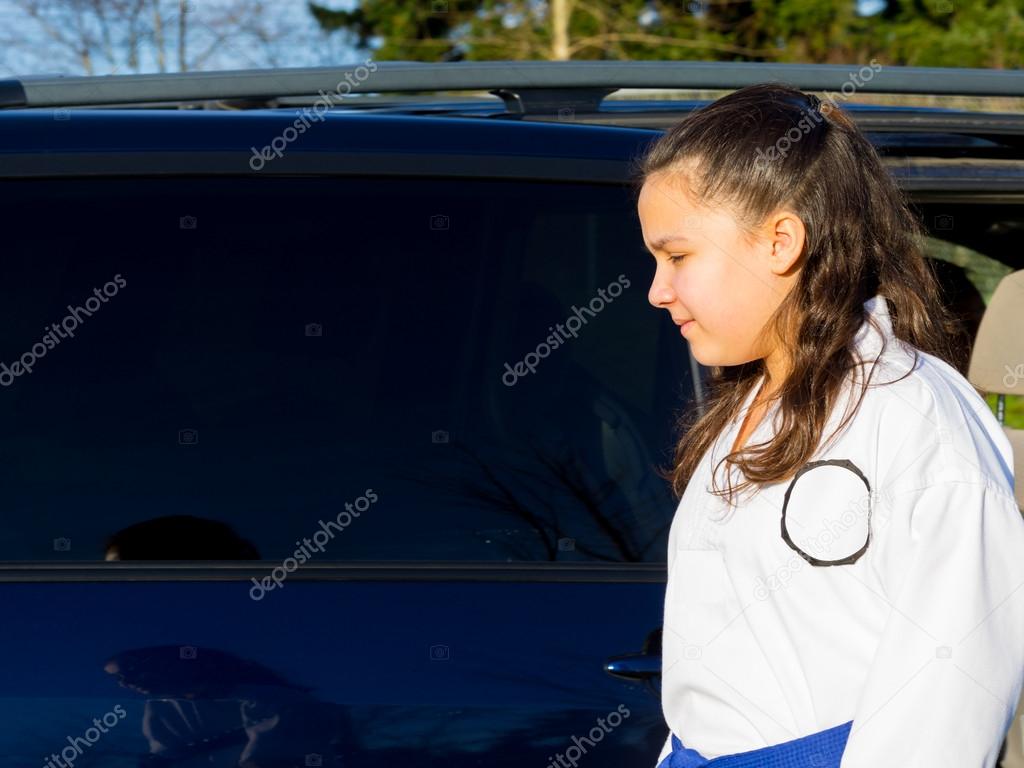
(875, 330)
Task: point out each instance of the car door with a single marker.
(331, 470)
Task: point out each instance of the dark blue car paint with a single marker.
(491, 667)
(520, 676)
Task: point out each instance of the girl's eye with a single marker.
(674, 257)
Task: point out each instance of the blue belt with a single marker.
(823, 749)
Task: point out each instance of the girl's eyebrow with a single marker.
(661, 241)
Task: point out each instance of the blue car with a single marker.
(335, 434)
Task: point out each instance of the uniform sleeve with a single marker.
(667, 747)
(949, 666)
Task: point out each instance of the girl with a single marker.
(847, 559)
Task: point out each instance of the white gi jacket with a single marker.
(919, 641)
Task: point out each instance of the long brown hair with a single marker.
(862, 239)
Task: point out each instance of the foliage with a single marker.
(974, 33)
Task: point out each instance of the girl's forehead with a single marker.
(668, 191)
(665, 210)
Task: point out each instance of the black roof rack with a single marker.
(534, 87)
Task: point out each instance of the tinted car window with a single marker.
(262, 352)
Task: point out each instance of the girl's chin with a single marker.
(706, 358)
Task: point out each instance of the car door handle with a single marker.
(634, 666)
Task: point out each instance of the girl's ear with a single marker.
(787, 234)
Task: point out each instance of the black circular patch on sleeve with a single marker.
(826, 512)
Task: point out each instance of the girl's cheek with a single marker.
(684, 283)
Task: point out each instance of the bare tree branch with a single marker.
(135, 35)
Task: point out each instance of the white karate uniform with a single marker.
(920, 641)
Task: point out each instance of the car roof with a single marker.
(530, 85)
(424, 115)
(138, 130)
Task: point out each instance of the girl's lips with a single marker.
(684, 326)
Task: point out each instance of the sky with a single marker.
(308, 47)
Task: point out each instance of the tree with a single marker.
(965, 33)
(446, 30)
(980, 33)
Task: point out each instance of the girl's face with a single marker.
(707, 271)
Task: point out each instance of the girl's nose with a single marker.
(660, 294)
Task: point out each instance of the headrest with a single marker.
(997, 360)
